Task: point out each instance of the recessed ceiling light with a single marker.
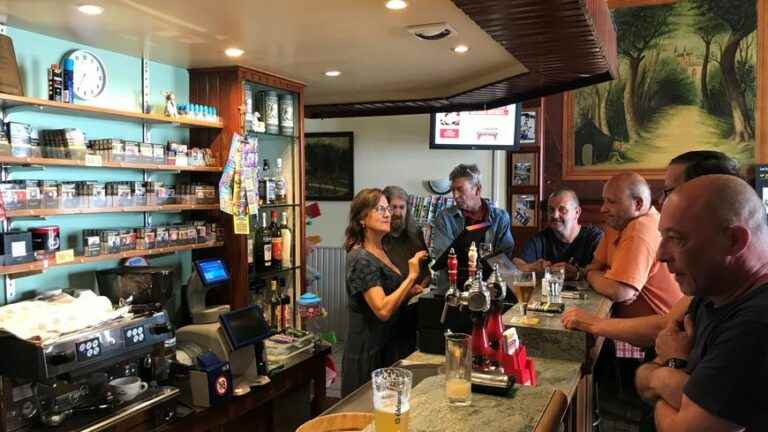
(332, 73)
(460, 49)
(396, 4)
(90, 9)
(233, 52)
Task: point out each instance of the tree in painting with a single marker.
(687, 80)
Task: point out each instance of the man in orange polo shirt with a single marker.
(625, 268)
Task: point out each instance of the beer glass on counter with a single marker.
(391, 399)
(523, 284)
(458, 369)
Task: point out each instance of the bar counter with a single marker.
(563, 360)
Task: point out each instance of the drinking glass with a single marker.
(458, 369)
(391, 399)
(486, 249)
(556, 281)
(523, 285)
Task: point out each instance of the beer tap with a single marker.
(452, 295)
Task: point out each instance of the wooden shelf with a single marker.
(93, 210)
(14, 160)
(274, 206)
(10, 101)
(40, 266)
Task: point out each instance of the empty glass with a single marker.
(458, 369)
(486, 249)
(391, 399)
(556, 281)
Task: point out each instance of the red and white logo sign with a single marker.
(449, 133)
(221, 385)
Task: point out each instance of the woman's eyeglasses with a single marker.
(382, 210)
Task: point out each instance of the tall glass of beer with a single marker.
(458, 369)
(391, 399)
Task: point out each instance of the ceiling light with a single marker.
(90, 9)
(332, 73)
(233, 52)
(396, 4)
(460, 49)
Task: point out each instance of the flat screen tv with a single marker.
(493, 129)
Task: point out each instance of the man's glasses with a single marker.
(382, 210)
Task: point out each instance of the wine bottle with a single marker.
(277, 242)
(287, 236)
(266, 240)
(281, 192)
(275, 303)
(266, 185)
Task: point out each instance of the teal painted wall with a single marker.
(35, 53)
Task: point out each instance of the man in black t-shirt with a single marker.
(712, 369)
(565, 243)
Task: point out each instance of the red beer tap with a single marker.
(453, 268)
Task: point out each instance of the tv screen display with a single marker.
(212, 271)
(493, 129)
(245, 326)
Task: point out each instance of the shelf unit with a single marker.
(42, 265)
(168, 208)
(41, 161)
(225, 89)
(10, 101)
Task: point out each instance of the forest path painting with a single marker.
(687, 80)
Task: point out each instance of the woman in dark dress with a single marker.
(376, 289)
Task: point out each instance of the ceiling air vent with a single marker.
(432, 32)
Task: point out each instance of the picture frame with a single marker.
(524, 169)
(529, 126)
(329, 166)
(524, 210)
(644, 141)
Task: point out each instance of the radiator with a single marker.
(330, 262)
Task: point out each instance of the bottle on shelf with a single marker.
(287, 236)
(275, 303)
(266, 185)
(281, 192)
(277, 242)
(266, 240)
(285, 306)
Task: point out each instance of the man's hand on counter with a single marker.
(577, 319)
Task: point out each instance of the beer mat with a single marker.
(546, 307)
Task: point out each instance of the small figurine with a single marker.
(170, 104)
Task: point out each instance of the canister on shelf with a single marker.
(45, 240)
(49, 191)
(286, 114)
(269, 103)
(161, 236)
(91, 242)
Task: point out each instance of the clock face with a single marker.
(90, 76)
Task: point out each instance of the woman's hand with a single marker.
(414, 264)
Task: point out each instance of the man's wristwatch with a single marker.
(676, 363)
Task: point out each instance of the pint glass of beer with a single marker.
(391, 399)
(458, 369)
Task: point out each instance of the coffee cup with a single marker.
(127, 388)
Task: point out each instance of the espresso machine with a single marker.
(498, 358)
(62, 383)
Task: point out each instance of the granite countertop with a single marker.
(549, 338)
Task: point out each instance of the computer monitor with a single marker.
(212, 271)
(245, 327)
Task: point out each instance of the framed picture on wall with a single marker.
(523, 210)
(528, 126)
(524, 170)
(329, 166)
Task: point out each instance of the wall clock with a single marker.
(90, 75)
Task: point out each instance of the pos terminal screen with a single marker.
(245, 326)
(212, 271)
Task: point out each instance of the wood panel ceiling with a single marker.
(564, 44)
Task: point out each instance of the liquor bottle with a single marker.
(275, 302)
(287, 236)
(277, 242)
(266, 240)
(258, 247)
(266, 185)
(281, 192)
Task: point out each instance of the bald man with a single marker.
(624, 267)
(712, 368)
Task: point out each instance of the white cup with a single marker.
(127, 388)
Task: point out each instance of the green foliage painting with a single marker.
(687, 80)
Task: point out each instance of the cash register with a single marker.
(236, 337)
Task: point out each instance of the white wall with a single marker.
(394, 150)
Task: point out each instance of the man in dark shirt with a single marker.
(565, 243)
(712, 368)
(402, 242)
